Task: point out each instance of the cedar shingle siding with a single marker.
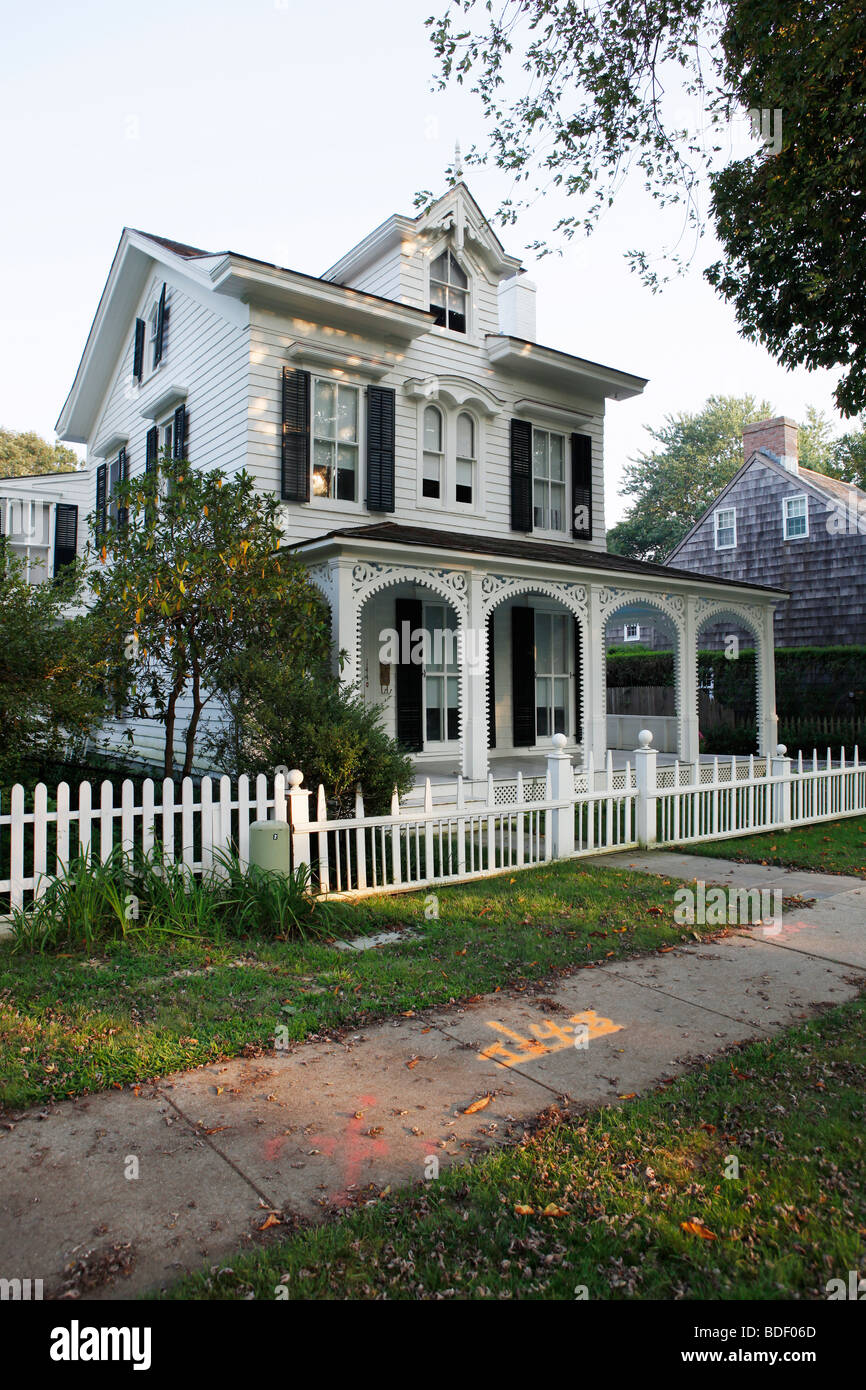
(825, 572)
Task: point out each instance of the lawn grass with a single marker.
(72, 1022)
(609, 1192)
(832, 847)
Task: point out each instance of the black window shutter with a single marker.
(161, 318)
(491, 685)
(523, 676)
(380, 448)
(410, 676)
(151, 447)
(101, 476)
(578, 684)
(65, 535)
(521, 475)
(138, 350)
(179, 433)
(295, 477)
(581, 487)
(122, 475)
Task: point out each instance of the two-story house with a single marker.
(441, 472)
(788, 527)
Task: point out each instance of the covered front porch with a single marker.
(478, 651)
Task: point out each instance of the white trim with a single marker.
(168, 399)
(795, 497)
(717, 527)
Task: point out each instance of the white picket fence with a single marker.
(414, 846)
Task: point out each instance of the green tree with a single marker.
(697, 455)
(846, 458)
(24, 452)
(53, 674)
(576, 94)
(189, 575)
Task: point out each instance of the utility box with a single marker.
(270, 846)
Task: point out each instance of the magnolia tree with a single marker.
(187, 575)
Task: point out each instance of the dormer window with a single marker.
(449, 293)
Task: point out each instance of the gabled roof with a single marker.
(824, 488)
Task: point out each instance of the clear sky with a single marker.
(287, 129)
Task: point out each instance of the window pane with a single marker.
(438, 295)
(453, 696)
(560, 705)
(457, 276)
(556, 456)
(542, 707)
(432, 430)
(323, 467)
(430, 477)
(465, 437)
(439, 268)
(434, 725)
(542, 642)
(557, 506)
(347, 413)
(539, 453)
(539, 515)
(347, 463)
(323, 414)
(559, 643)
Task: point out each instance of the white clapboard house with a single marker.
(440, 470)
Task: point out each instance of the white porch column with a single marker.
(689, 750)
(474, 660)
(768, 723)
(346, 622)
(595, 684)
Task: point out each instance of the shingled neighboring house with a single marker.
(779, 524)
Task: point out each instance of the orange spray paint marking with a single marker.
(548, 1037)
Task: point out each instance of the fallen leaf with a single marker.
(413, 1062)
(697, 1228)
(553, 1210)
(269, 1221)
(478, 1105)
(524, 1211)
(629, 1095)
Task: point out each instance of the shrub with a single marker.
(315, 724)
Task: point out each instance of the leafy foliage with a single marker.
(53, 674)
(191, 577)
(24, 453)
(793, 227)
(313, 723)
(576, 94)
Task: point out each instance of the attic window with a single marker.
(449, 292)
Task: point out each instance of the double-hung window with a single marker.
(449, 292)
(726, 528)
(336, 440)
(795, 514)
(465, 475)
(551, 673)
(441, 675)
(434, 452)
(632, 632)
(548, 480)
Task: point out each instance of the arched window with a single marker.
(449, 292)
(434, 457)
(465, 478)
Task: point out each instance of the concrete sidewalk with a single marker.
(219, 1149)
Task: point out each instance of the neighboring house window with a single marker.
(336, 440)
(548, 480)
(465, 458)
(441, 675)
(551, 674)
(632, 632)
(449, 292)
(726, 528)
(434, 452)
(796, 516)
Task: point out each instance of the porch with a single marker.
(480, 650)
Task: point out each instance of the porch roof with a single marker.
(540, 552)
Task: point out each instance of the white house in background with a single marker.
(440, 470)
(39, 517)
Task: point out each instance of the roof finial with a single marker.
(458, 161)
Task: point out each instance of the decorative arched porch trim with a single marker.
(751, 617)
(673, 606)
(370, 578)
(497, 588)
